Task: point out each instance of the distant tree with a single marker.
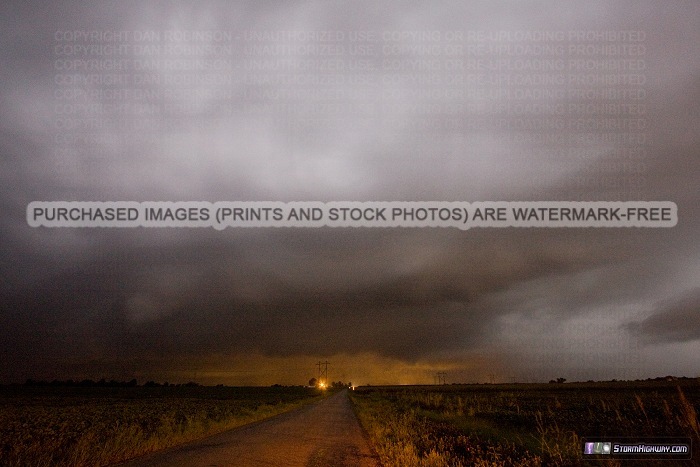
(313, 382)
(561, 380)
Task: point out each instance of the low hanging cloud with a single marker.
(672, 321)
(156, 300)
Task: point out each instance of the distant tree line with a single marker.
(658, 378)
(103, 383)
(313, 382)
(340, 384)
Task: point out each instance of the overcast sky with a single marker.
(262, 306)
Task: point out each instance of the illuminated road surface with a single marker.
(322, 434)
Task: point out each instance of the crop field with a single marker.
(523, 424)
(94, 426)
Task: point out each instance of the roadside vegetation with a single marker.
(521, 424)
(43, 425)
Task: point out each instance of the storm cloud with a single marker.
(179, 303)
(672, 322)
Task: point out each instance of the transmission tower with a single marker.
(323, 373)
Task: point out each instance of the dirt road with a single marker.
(325, 434)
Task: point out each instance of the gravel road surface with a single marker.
(323, 434)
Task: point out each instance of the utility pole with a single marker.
(441, 377)
(323, 373)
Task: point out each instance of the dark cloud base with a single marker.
(184, 303)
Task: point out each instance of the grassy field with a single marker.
(62, 426)
(522, 425)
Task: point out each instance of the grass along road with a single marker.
(522, 424)
(323, 434)
(98, 426)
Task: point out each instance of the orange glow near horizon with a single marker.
(355, 370)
